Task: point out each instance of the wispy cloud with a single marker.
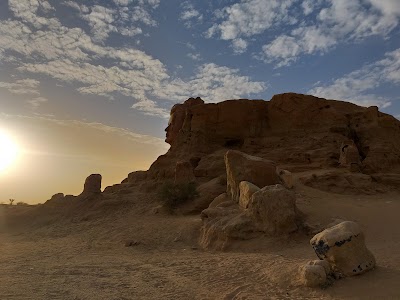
(77, 59)
(356, 86)
(248, 18)
(336, 21)
(190, 15)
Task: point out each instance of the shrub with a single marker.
(22, 203)
(175, 194)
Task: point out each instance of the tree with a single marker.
(11, 201)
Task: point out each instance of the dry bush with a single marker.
(174, 194)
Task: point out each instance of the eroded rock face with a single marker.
(343, 246)
(349, 155)
(243, 167)
(300, 131)
(273, 208)
(92, 184)
(184, 172)
(246, 189)
(177, 118)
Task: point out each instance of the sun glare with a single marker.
(8, 151)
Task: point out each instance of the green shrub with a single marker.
(175, 194)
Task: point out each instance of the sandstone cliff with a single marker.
(301, 132)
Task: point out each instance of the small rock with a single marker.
(312, 275)
(131, 243)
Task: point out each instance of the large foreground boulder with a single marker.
(343, 246)
(273, 208)
(243, 167)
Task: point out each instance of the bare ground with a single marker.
(89, 260)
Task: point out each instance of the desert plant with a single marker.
(174, 194)
(11, 201)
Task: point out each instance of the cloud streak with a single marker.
(356, 86)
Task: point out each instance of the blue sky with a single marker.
(119, 65)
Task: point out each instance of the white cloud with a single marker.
(22, 87)
(190, 15)
(194, 56)
(36, 102)
(355, 86)
(239, 45)
(250, 17)
(388, 7)
(120, 19)
(93, 68)
(337, 21)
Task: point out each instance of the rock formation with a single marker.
(245, 210)
(343, 247)
(273, 208)
(243, 167)
(92, 185)
(302, 131)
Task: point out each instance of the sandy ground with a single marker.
(89, 260)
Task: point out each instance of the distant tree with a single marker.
(22, 203)
(11, 201)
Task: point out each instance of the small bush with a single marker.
(22, 203)
(175, 194)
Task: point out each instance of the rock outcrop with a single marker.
(246, 211)
(301, 131)
(242, 167)
(273, 209)
(92, 185)
(343, 247)
(246, 191)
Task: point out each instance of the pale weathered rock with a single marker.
(219, 199)
(312, 275)
(92, 184)
(247, 189)
(343, 246)
(223, 225)
(286, 178)
(273, 208)
(243, 167)
(184, 172)
(322, 263)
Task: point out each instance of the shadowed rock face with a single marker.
(92, 184)
(300, 131)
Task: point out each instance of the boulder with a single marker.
(273, 208)
(312, 275)
(92, 184)
(222, 226)
(286, 178)
(247, 189)
(219, 200)
(184, 172)
(243, 167)
(343, 246)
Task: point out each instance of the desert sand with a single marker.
(120, 244)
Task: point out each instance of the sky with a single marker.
(87, 86)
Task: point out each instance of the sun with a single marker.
(8, 151)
